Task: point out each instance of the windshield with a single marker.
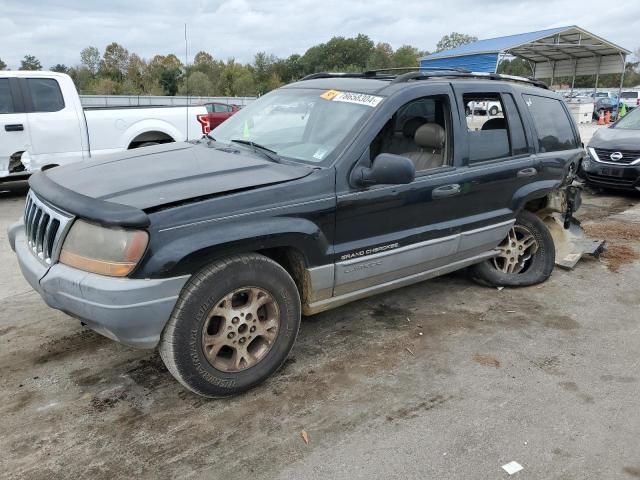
(299, 124)
(631, 121)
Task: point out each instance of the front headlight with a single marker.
(107, 251)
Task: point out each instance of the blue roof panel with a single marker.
(482, 62)
(496, 45)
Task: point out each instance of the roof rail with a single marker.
(435, 69)
(426, 73)
(418, 75)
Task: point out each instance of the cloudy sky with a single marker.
(56, 30)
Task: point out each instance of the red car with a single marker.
(216, 114)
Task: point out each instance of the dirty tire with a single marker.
(182, 345)
(493, 111)
(538, 267)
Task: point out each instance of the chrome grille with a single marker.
(44, 228)
(626, 157)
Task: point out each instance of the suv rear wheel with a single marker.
(527, 256)
(233, 326)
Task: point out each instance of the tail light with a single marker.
(638, 102)
(204, 123)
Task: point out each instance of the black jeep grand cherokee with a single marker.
(325, 191)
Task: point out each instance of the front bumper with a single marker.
(130, 311)
(608, 175)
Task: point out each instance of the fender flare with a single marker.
(533, 191)
(177, 252)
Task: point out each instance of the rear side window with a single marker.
(552, 124)
(45, 94)
(487, 125)
(6, 102)
(629, 94)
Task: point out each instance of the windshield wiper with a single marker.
(266, 151)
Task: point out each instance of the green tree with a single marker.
(453, 40)
(115, 62)
(338, 54)
(407, 56)
(165, 70)
(90, 59)
(236, 80)
(82, 79)
(3, 65)
(381, 56)
(515, 66)
(196, 84)
(104, 86)
(60, 68)
(29, 62)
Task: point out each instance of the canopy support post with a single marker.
(624, 61)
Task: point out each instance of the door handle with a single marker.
(16, 127)
(446, 191)
(527, 172)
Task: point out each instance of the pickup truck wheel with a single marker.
(147, 144)
(527, 256)
(493, 111)
(233, 326)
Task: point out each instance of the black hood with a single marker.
(115, 189)
(616, 139)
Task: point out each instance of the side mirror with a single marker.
(387, 169)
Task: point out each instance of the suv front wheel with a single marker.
(526, 257)
(233, 326)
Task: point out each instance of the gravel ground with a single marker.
(546, 376)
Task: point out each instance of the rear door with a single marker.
(500, 160)
(218, 114)
(55, 127)
(14, 130)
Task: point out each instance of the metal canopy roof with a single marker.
(562, 51)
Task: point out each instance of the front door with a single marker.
(14, 131)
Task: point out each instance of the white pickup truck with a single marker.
(43, 124)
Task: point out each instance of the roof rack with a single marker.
(418, 75)
(425, 73)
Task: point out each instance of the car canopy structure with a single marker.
(557, 52)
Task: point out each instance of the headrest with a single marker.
(497, 123)
(410, 126)
(430, 135)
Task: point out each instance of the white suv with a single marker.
(484, 107)
(630, 98)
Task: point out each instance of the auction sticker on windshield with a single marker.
(351, 97)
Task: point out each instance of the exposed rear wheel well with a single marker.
(150, 137)
(536, 204)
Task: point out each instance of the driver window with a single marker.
(418, 131)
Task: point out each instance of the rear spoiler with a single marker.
(92, 209)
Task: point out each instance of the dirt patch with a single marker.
(633, 471)
(613, 230)
(69, 345)
(617, 256)
(414, 410)
(384, 311)
(486, 360)
(4, 331)
(108, 399)
(150, 372)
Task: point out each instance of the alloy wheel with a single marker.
(516, 250)
(240, 329)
